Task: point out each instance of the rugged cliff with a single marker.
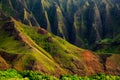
(81, 22)
(25, 47)
(26, 41)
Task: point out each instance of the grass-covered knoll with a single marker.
(12, 74)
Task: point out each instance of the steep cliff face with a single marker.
(81, 22)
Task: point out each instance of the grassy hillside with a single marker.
(15, 42)
(25, 47)
(50, 45)
(36, 49)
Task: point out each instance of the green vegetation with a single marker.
(7, 10)
(106, 41)
(12, 74)
(109, 45)
(93, 77)
(53, 47)
(10, 44)
(46, 50)
(20, 44)
(25, 47)
(9, 74)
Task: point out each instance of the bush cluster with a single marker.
(12, 74)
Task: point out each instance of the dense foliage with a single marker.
(108, 45)
(12, 74)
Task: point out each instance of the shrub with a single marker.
(12, 74)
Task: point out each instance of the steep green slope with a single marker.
(17, 45)
(26, 47)
(36, 50)
(59, 49)
(81, 22)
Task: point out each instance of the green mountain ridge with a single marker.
(29, 39)
(24, 47)
(81, 22)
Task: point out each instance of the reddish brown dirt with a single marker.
(88, 65)
(3, 64)
(80, 68)
(113, 64)
(92, 63)
(36, 66)
(41, 31)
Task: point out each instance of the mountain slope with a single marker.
(81, 22)
(18, 47)
(33, 48)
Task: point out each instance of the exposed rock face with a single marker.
(41, 30)
(81, 22)
(93, 63)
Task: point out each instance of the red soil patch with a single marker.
(39, 67)
(92, 63)
(35, 65)
(113, 64)
(41, 31)
(88, 55)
